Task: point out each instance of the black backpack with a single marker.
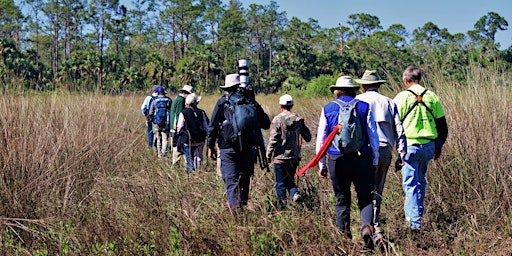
(242, 121)
(193, 130)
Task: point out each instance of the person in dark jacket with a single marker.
(237, 162)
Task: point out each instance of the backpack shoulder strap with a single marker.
(419, 100)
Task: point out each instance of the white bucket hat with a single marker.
(191, 99)
(343, 82)
(187, 89)
(231, 80)
(286, 100)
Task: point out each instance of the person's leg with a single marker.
(151, 136)
(158, 140)
(246, 164)
(231, 177)
(364, 182)
(427, 153)
(198, 156)
(188, 157)
(280, 189)
(341, 186)
(289, 179)
(410, 187)
(385, 158)
(165, 141)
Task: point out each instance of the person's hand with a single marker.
(437, 154)
(212, 153)
(399, 163)
(322, 173)
(147, 123)
(269, 160)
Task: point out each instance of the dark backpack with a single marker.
(161, 111)
(194, 130)
(350, 137)
(242, 122)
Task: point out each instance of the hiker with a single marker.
(158, 115)
(177, 106)
(236, 148)
(192, 129)
(426, 131)
(357, 167)
(284, 145)
(145, 111)
(390, 132)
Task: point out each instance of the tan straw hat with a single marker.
(370, 77)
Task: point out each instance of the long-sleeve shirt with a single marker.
(389, 125)
(144, 108)
(284, 141)
(329, 119)
(176, 107)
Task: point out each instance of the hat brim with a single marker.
(361, 81)
(228, 86)
(335, 87)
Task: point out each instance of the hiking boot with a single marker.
(367, 237)
(379, 243)
(297, 198)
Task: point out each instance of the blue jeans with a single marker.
(237, 169)
(285, 174)
(151, 136)
(359, 170)
(414, 182)
(190, 156)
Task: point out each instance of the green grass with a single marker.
(77, 179)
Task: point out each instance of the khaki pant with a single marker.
(176, 156)
(161, 139)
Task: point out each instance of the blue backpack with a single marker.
(350, 138)
(161, 110)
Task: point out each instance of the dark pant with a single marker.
(345, 170)
(385, 157)
(151, 136)
(285, 174)
(237, 170)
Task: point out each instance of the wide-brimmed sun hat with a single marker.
(343, 82)
(231, 80)
(286, 100)
(188, 89)
(370, 77)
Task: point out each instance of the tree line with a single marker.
(105, 46)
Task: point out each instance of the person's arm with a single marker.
(401, 141)
(371, 129)
(305, 132)
(205, 121)
(180, 123)
(320, 138)
(274, 137)
(144, 108)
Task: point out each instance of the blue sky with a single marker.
(458, 16)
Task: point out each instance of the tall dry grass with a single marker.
(77, 179)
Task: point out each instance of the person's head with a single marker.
(411, 75)
(153, 89)
(370, 79)
(191, 100)
(231, 83)
(286, 102)
(160, 90)
(186, 90)
(344, 86)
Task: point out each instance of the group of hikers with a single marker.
(354, 144)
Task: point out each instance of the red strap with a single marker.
(325, 146)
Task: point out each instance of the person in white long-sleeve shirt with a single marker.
(391, 133)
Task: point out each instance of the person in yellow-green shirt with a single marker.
(426, 130)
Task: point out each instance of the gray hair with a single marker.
(412, 74)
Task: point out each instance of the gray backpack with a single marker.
(350, 137)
